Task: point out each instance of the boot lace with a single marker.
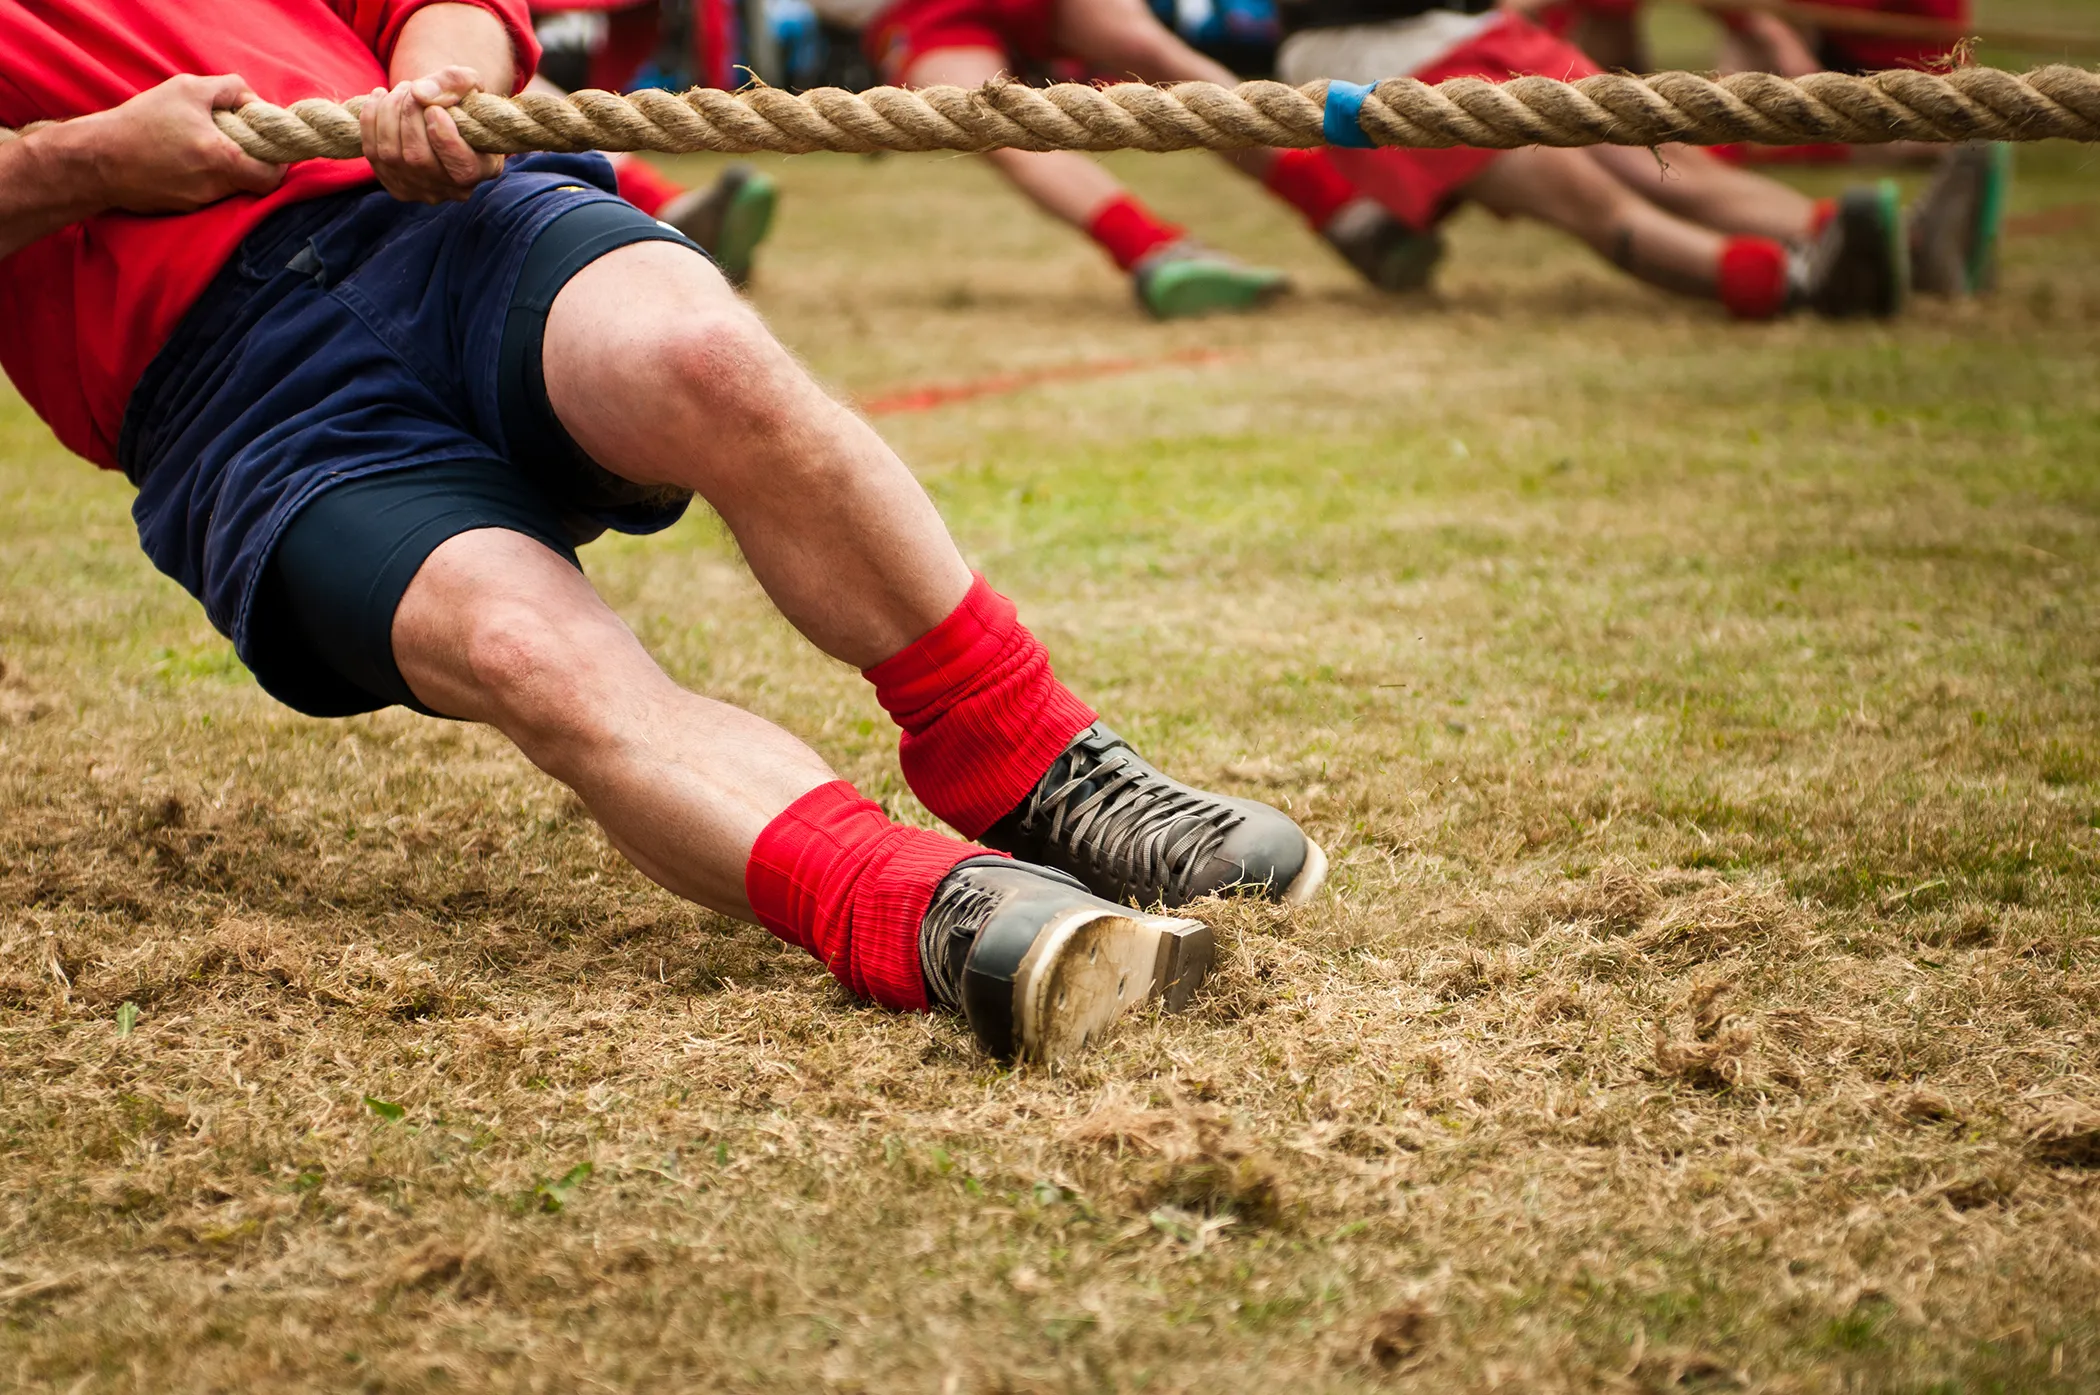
(961, 907)
(1129, 824)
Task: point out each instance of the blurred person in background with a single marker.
(1760, 41)
(1766, 41)
(619, 46)
(966, 43)
(1763, 41)
(1694, 225)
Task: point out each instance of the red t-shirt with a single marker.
(84, 310)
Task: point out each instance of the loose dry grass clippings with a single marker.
(1668, 1371)
(1717, 919)
(1927, 1107)
(2068, 1138)
(1616, 898)
(1400, 1338)
(1716, 1055)
(1189, 1159)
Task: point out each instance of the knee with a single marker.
(1560, 187)
(534, 674)
(733, 373)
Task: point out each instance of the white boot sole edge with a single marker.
(1311, 877)
(1088, 970)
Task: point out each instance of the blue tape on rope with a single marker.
(1342, 122)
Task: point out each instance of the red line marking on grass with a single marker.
(2068, 217)
(925, 399)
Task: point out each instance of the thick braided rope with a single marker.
(2052, 103)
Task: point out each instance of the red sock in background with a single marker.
(1128, 232)
(835, 876)
(1752, 277)
(642, 186)
(1310, 182)
(982, 713)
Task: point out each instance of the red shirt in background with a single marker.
(1861, 52)
(84, 310)
(1873, 52)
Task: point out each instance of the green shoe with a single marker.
(1861, 263)
(1188, 279)
(1955, 225)
(730, 219)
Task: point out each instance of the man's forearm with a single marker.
(47, 181)
(443, 36)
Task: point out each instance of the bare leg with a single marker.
(1066, 185)
(1687, 181)
(496, 628)
(1124, 36)
(1612, 41)
(1573, 193)
(1119, 36)
(1767, 44)
(665, 376)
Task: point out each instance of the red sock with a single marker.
(1310, 182)
(982, 713)
(642, 186)
(833, 875)
(1752, 280)
(1128, 232)
(1826, 209)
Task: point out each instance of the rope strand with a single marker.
(2052, 103)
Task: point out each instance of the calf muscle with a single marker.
(496, 628)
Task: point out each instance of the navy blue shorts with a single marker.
(360, 383)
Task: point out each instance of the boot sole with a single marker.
(1895, 290)
(1311, 877)
(1410, 268)
(1982, 267)
(1094, 966)
(1187, 293)
(1873, 216)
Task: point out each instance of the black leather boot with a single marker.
(1136, 836)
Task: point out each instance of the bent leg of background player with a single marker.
(1064, 184)
(1766, 43)
(1953, 228)
(1124, 36)
(1856, 267)
(1693, 185)
(1172, 276)
(1569, 191)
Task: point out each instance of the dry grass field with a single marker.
(1702, 718)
